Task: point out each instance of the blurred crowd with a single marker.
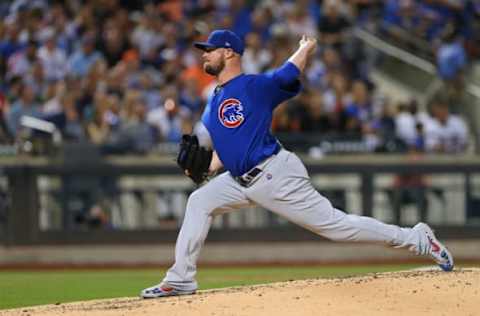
(450, 27)
(124, 75)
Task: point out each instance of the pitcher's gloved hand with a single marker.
(194, 159)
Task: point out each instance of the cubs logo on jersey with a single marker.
(230, 113)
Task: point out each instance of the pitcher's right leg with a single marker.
(221, 194)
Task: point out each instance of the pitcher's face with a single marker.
(214, 61)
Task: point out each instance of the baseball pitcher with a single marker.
(258, 170)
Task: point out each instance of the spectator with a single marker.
(98, 130)
(409, 122)
(298, 112)
(195, 72)
(281, 122)
(113, 44)
(83, 58)
(53, 97)
(22, 61)
(26, 105)
(5, 136)
(241, 12)
(170, 120)
(190, 99)
(366, 10)
(451, 58)
(136, 134)
(448, 133)
(384, 129)
(335, 99)
(113, 109)
(63, 27)
(323, 69)
(150, 90)
(333, 25)
(73, 129)
(410, 188)
(35, 78)
(299, 22)
(262, 21)
(147, 36)
(255, 58)
(10, 43)
(401, 19)
(53, 59)
(360, 107)
(317, 120)
(419, 144)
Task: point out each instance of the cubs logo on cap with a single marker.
(230, 113)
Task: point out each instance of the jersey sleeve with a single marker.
(203, 135)
(280, 84)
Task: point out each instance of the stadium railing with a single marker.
(45, 197)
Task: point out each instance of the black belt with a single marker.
(245, 179)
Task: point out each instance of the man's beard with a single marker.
(215, 70)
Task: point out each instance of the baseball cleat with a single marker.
(163, 289)
(435, 248)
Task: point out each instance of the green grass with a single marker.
(28, 288)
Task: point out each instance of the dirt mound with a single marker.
(420, 292)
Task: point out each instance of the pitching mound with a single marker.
(420, 292)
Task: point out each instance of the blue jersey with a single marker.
(239, 116)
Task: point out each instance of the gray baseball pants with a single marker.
(284, 188)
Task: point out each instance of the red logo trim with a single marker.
(435, 246)
(239, 118)
(167, 289)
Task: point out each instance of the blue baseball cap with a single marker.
(222, 39)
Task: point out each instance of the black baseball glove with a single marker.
(194, 158)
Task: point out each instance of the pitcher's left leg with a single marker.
(292, 196)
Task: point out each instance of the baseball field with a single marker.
(298, 290)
